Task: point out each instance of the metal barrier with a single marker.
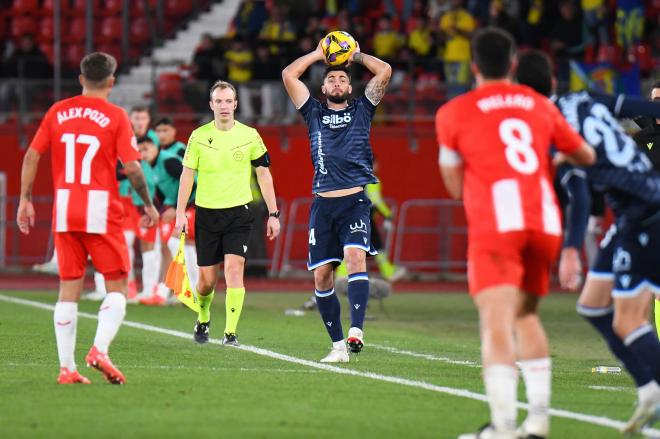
(441, 216)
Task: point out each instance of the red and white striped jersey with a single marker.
(501, 133)
(86, 136)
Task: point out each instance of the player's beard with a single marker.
(338, 99)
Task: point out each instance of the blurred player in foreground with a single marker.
(617, 294)
(514, 226)
(87, 135)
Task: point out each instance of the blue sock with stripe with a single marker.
(601, 319)
(358, 295)
(328, 304)
(643, 341)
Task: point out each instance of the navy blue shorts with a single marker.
(630, 258)
(338, 223)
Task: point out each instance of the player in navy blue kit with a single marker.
(620, 285)
(339, 225)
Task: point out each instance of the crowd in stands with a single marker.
(424, 40)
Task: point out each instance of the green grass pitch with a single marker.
(177, 389)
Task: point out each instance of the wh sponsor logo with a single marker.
(360, 227)
(336, 120)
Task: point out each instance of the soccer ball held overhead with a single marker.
(337, 47)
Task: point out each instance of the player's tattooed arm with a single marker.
(382, 71)
(139, 183)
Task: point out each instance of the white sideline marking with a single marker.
(613, 388)
(590, 419)
(424, 356)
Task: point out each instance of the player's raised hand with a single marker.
(181, 223)
(25, 216)
(319, 52)
(150, 217)
(272, 228)
(570, 269)
(353, 53)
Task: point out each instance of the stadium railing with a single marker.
(436, 230)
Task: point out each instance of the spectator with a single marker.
(267, 70)
(249, 19)
(456, 27)
(206, 60)
(498, 16)
(277, 30)
(531, 20)
(420, 39)
(597, 23)
(239, 71)
(26, 62)
(567, 37)
(387, 41)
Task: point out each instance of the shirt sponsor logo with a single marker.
(336, 120)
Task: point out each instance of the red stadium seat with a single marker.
(137, 8)
(111, 49)
(174, 8)
(139, 31)
(46, 31)
(112, 7)
(47, 49)
(73, 54)
(21, 7)
(110, 30)
(23, 25)
(76, 30)
(79, 8)
(168, 88)
(48, 6)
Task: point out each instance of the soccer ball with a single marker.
(337, 47)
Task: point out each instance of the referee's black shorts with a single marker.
(221, 231)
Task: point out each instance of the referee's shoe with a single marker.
(201, 332)
(230, 340)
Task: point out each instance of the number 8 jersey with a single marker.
(501, 133)
(86, 137)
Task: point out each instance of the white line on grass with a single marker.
(590, 419)
(171, 367)
(447, 360)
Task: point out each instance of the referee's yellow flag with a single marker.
(177, 279)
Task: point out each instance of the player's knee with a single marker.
(356, 260)
(623, 325)
(323, 278)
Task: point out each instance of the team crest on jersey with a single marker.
(336, 120)
(238, 156)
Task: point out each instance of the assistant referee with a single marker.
(222, 153)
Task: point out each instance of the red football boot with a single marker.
(102, 363)
(71, 377)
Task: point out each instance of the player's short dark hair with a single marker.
(164, 121)
(339, 68)
(656, 84)
(492, 51)
(222, 85)
(97, 67)
(146, 139)
(535, 71)
(139, 109)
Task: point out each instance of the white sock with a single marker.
(111, 314)
(649, 392)
(65, 319)
(339, 345)
(150, 271)
(129, 235)
(162, 290)
(173, 246)
(99, 282)
(537, 375)
(501, 389)
(191, 263)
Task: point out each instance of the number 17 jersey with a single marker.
(86, 136)
(501, 133)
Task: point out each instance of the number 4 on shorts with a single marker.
(312, 239)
